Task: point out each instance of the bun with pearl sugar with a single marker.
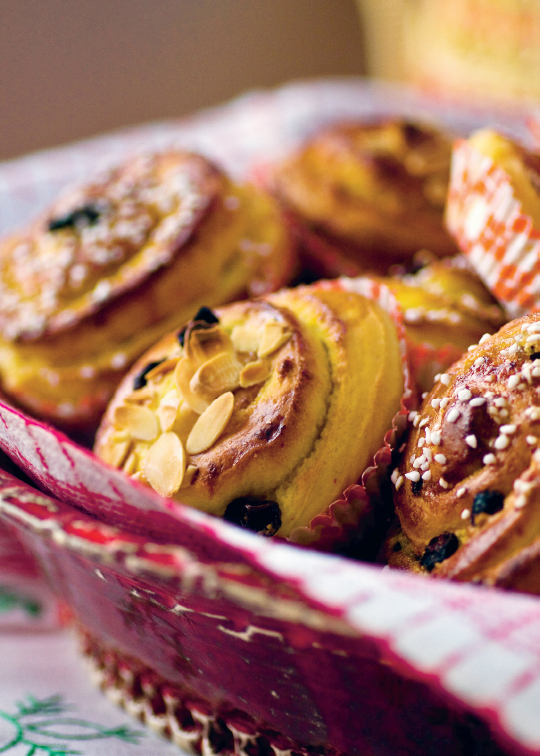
(467, 489)
(114, 264)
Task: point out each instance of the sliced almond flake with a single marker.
(167, 409)
(140, 422)
(141, 395)
(254, 372)
(204, 343)
(184, 421)
(274, 335)
(166, 416)
(116, 451)
(183, 374)
(188, 476)
(131, 464)
(167, 366)
(246, 338)
(218, 374)
(165, 464)
(210, 424)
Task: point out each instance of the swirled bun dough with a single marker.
(467, 492)
(377, 191)
(261, 411)
(115, 264)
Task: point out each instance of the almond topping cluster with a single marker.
(181, 405)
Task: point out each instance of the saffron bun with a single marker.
(466, 490)
(268, 411)
(114, 264)
(446, 307)
(375, 191)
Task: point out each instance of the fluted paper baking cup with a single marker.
(487, 221)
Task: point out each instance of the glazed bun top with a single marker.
(472, 438)
(381, 186)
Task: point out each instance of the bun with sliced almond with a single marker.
(262, 412)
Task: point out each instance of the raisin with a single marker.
(534, 356)
(396, 547)
(488, 502)
(416, 486)
(438, 549)
(140, 379)
(203, 318)
(206, 315)
(86, 215)
(257, 515)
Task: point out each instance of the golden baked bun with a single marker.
(262, 411)
(114, 264)
(446, 307)
(375, 191)
(467, 493)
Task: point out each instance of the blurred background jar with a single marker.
(474, 50)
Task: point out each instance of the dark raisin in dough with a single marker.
(416, 486)
(438, 549)
(140, 379)
(86, 215)
(488, 502)
(204, 318)
(263, 517)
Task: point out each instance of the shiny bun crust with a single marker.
(446, 307)
(467, 487)
(377, 190)
(278, 403)
(114, 264)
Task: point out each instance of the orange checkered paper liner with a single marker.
(491, 229)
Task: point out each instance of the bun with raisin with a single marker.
(116, 263)
(262, 411)
(467, 493)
